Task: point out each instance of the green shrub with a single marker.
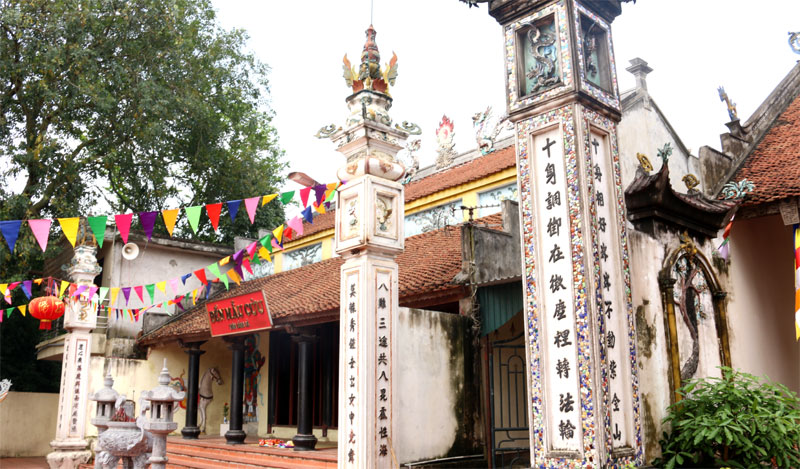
(733, 421)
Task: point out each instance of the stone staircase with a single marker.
(213, 453)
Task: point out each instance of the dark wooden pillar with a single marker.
(305, 439)
(235, 435)
(327, 383)
(191, 431)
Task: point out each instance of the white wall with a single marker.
(27, 424)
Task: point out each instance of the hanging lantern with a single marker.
(46, 309)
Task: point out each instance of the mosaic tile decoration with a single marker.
(565, 118)
(610, 99)
(515, 101)
(591, 118)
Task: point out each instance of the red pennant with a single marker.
(213, 211)
(124, 225)
(304, 195)
(139, 291)
(201, 275)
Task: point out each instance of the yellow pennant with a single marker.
(162, 286)
(320, 208)
(267, 199)
(3, 287)
(70, 228)
(224, 260)
(22, 309)
(114, 293)
(64, 285)
(264, 254)
(38, 281)
(170, 217)
(194, 296)
(234, 276)
(278, 233)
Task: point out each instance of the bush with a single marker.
(733, 421)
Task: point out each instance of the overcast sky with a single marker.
(451, 62)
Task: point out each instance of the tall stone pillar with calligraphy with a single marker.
(369, 235)
(80, 318)
(562, 96)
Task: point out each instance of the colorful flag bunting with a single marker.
(139, 292)
(251, 249)
(296, 224)
(10, 230)
(173, 284)
(64, 285)
(27, 286)
(123, 223)
(224, 260)
(23, 309)
(235, 277)
(233, 208)
(267, 199)
(103, 293)
(251, 205)
(126, 292)
(201, 275)
(151, 292)
(170, 217)
(304, 196)
(278, 233)
(213, 211)
(98, 226)
(185, 277)
(148, 221)
(307, 215)
(193, 215)
(79, 290)
(92, 291)
(114, 293)
(287, 197)
(264, 254)
(246, 265)
(162, 285)
(319, 192)
(214, 269)
(41, 231)
(224, 279)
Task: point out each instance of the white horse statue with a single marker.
(206, 393)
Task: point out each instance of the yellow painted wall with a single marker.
(27, 424)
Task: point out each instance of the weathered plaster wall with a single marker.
(430, 403)
(27, 424)
(761, 300)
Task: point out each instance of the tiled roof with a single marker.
(774, 166)
(427, 266)
(467, 172)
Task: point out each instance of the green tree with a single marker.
(146, 104)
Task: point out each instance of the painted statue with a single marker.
(206, 393)
(487, 128)
(253, 361)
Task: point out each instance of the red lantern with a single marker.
(46, 309)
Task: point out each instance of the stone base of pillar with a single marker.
(235, 437)
(68, 459)
(190, 433)
(304, 442)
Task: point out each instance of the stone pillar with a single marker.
(191, 431)
(235, 435)
(80, 317)
(304, 440)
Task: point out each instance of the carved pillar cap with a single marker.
(192, 347)
(235, 342)
(666, 282)
(304, 336)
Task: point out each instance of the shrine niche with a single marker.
(540, 65)
(595, 53)
(694, 315)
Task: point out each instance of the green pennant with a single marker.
(287, 197)
(8, 311)
(151, 290)
(331, 196)
(103, 293)
(256, 259)
(265, 241)
(98, 226)
(214, 269)
(224, 279)
(193, 214)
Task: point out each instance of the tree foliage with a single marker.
(732, 421)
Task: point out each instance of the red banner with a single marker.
(244, 313)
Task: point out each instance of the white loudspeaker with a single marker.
(130, 251)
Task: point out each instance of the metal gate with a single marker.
(509, 404)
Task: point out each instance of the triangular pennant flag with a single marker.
(251, 205)
(278, 233)
(319, 192)
(251, 249)
(296, 224)
(123, 223)
(151, 291)
(238, 269)
(173, 284)
(287, 234)
(8, 311)
(148, 221)
(201, 275)
(275, 245)
(264, 254)
(214, 269)
(193, 214)
(41, 231)
(103, 293)
(71, 289)
(319, 207)
(38, 281)
(79, 290)
(1, 317)
(194, 296)
(126, 292)
(98, 226)
(304, 195)
(114, 293)
(233, 208)
(224, 260)
(224, 279)
(267, 199)
(10, 230)
(307, 215)
(170, 217)
(162, 286)
(27, 285)
(92, 291)
(139, 289)
(235, 277)
(287, 197)
(213, 211)
(265, 240)
(23, 309)
(12, 286)
(185, 277)
(246, 265)
(64, 285)
(255, 259)
(331, 192)
(3, 287)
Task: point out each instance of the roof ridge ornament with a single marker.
(723, 96)
(369, 75)
(794, 41)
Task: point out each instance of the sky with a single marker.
(450, 61)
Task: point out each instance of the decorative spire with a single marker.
(369, 75)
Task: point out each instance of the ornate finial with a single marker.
(163, 378)
(737, 190)
(644, 162)
(794, 41)
(723, 96)
(327, 131)
(369, 75)
(444, 138)
(109, 380)
(664, 152)
(691, 181)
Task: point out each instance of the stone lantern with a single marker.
(105, 399)
(161, 401)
